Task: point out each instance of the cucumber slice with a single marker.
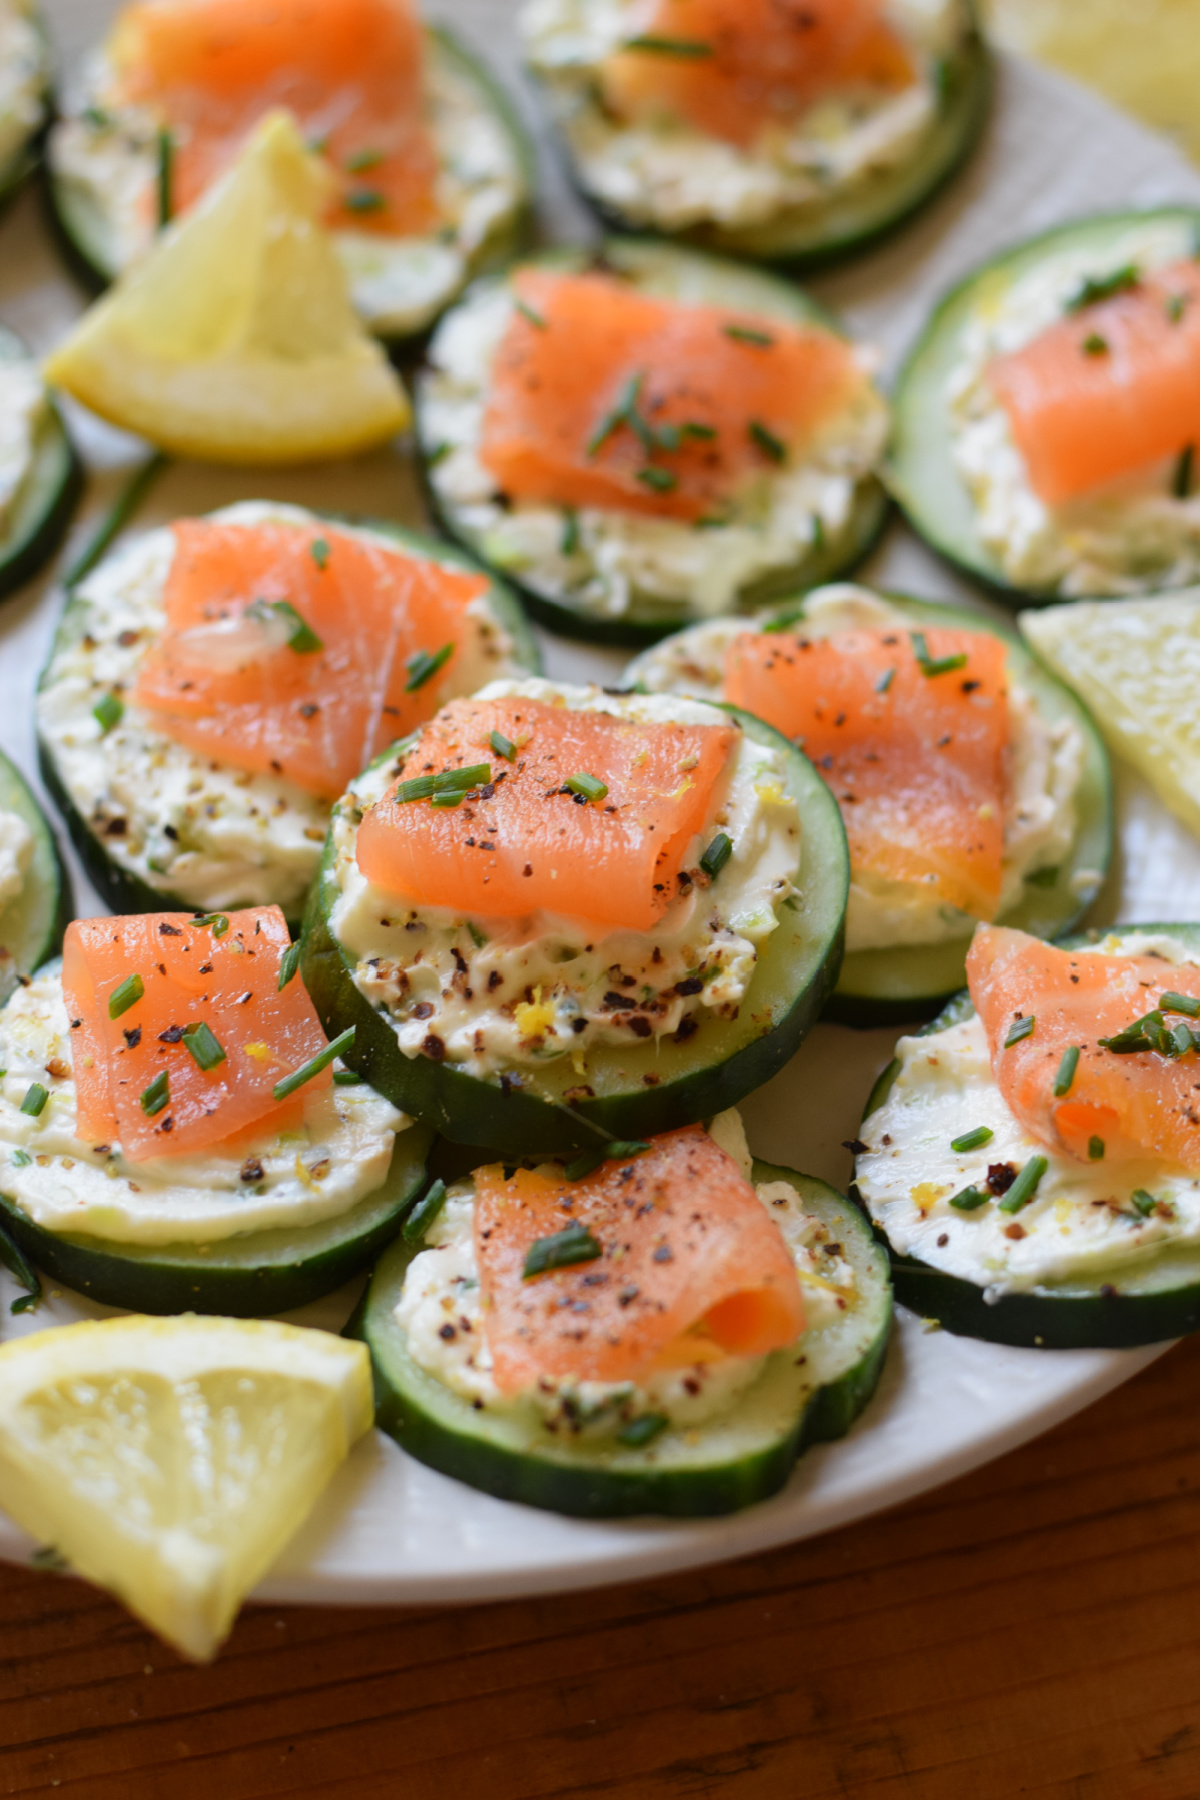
(1144, 1303)
(720, 1467)
(922, 474)
(124, 890)
(46, 498)
(247, 1277)
(87, 231)
(715, 1068)
(665, 269)
(811, 236)
(32, 924)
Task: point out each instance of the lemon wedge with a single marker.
(234, 339)
(170, 1460)
(1136, 665)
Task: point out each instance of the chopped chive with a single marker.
(117, 517)
(21, 1159)
(448, 800)
(448, 781)
(35, 1099)
(622, 1148)
(217, 923)
(289, 962)
(1066, 1070)
(1184, 1003)
(1043, 878)
(1175, 306)
(669, 46)
(1103, 287)
(156, 1096)
(362, 160)
(935, 665)
(692, 428)
(766, 441)
(885, 681)
(301, 636)
(317, 146)
(661, 480)
(1183, 1038)
(424, 1213)
(973, 1140)
(478, 938)
(166, 160)
(585, 1162)
(503, 746)
(108, 711)
(319, 551)
(717, 855)
(528, 312)
(568, 544)
(1019, 1029)
(1094, 345)
(1181, 480)
(363, 200)
(438, 454)
(315, 1064)
(1095, 1149)
(970, 1200)
(746, 334)
(620, 414)
(573, 1244)
(1025, 1186)
(205, 1049)
(125, 996)
(643, 1430)
(1142, 1202)
(347, 1078)
(818, 532)
(97, 118)
(423, 666)
(589, 786)
(785, 620)
(1146, 1033)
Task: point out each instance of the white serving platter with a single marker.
(390, 1530)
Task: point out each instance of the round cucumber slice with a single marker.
(33, 921)
(724, 1060)
(922, 473)
(1143, 1303)
(46, 498)
(247, 1277)
(731, 1462)
(86, 229)
(124, 889)
(668, 270)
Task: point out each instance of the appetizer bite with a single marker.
(40, 477)
(662, 1330)
(650, 436)
(428, 172)
(25, 77)
(778, 129)
(35, 891)
(1047, 421)
(557, 912)
(971, 783)
(174, 1135)
(215, 684)
(1033, 1157)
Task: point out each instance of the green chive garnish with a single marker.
(319, 550)
(573, 1244)
(166, 159)
(717, 855)
(448, 800)
(108, 712)
(347, 1078)
(1183, 1038)
(935, 665)
(1066, 1070)
(20, 1159)
(1175, 307)
(970, 1200)
(424, 1213)
(289, 962)
(156, 1096)
(745, 334)
(669, 46)
(363, 200)
(661, 480)
(503, 746)
(35, 1099)
(785, 620)
(1020, 1028)
(1184, 1003)
(1094, 345)
(612, 421)
(590, 787)
(692, 428)
(568, 544)
(1103, 287)
(362, 160)
(885, 681)
(205, 1049)
(1095, 1149)
(527, 312)
(1142, 1203)
(1025, 1186)
(217, 923)
(766, 441)
(1181, 480)
(449, 781)
(423, 666)
(125, 996)
(320, 1061)
(643, 1430)
(973, 1140)
(301, 636)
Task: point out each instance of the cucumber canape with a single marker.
(905, 946)
(40, 475)
(26, 70)
(712, 1434)
(823, 178)
(1043, 423)
(570, 440)
(994, 1231)
(168, 809)
(110, 181)
(35, 889)
(140, 1201)
(589, 1004)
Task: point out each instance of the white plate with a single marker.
(389, 1529)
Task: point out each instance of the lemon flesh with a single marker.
(1136, 665)
(170, 1459)
(234, 339)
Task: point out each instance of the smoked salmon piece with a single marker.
(524, 841)
(1138, 1104)
(1108, 389)
(190, 974)
(235, 678)
(917, 760)
(734, 68)
(351, 72)
(605, 396)
(686, 1247)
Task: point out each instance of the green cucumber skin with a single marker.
(1041, 1320)
(46, 904)
(125, 892)
(800, 251)
(174, 1279)
(59, 474)
(927, 513)
(475, 1111)
(589, 1489)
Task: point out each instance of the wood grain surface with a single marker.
(1032, 1630)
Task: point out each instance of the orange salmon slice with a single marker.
(1109, 389)
(688, 1253)
(1137, 1105)
(604, 396)
(233, 677)
(734, 68)
(351, 71)
(918, 762)
(190, 973)
(524, 841)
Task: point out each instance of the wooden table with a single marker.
(1032, 1630)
